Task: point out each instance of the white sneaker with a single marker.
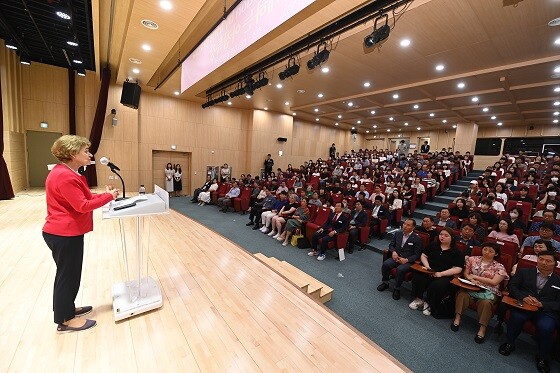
(416, 304)
(272, 233)
(265, 231)
(321, 257)
(284, 243)
(262, 229)
(427, 311)
(313, 253)
(280, 238)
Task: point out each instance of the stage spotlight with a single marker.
(378, 34)
(263, 81)
(320, 57)
(291, 69)
(237, 92)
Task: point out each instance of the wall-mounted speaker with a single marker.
(282, 139)
(130, 95)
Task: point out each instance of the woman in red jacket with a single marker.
(70, 206)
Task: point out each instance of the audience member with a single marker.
(444, 219)
(335, 224)
(358, 219)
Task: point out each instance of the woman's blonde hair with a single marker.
(68, 145)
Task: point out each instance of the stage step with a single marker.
(313, 287)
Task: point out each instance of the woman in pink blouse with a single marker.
(505, 232)
(483, 271)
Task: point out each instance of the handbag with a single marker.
(296, 236)
(486, 294)
(303, 243)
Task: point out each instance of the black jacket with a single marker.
(411, 249)
(524, 283)
(360, 220)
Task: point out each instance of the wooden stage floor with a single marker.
(223, 310)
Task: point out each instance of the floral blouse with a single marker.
(476, 267)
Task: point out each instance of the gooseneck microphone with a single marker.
(114, 170)
(111, 165)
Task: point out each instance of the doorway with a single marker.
(39, 155)
(161, 158)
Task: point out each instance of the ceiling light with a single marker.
(499, 123)
(444, 121)
(372, 112)
(294, 114)
(149, 24)
(81, 72)
(146, 47)
(25, 60)
(316, 119)
(286, 103)
(265, 108)
(440, 67)
(379, 33)
(177, 93)
(485, 109)
(406, 123)
(11, 45)
(63, 14)
(388, 130)
(279, 85)
(325, 70)
(229, 103)
(474, 99)
(367, 131)
(557, 69)
(353, 128)
(247, 96)
(556, 113)
(557, 41)
(556, 103)
(555, 121)
(395, 96)
(165, 5)
(359, 122)
(350, 104)
(454, 126)
(136, 71)
(72, 43)
(416, 106)
(375, 126)
(461, 85)
(316, 110)
(391, 118)
(418, 128)
(432, 114)
(405, 43)
(135, 60)
(79, 62)
(367, 84)
(493, 117)
(557, 89)
(339, 116)
(336, 124)
(320, 95)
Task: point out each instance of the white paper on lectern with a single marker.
(151, 204)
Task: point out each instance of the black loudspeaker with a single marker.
(130, 94)
(282, 139)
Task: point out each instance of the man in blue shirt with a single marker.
(225, 202)
(546, 231)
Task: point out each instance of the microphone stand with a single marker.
(122, 182)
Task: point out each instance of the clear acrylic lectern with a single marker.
(139, 293)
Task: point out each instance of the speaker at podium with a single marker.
(139, 293)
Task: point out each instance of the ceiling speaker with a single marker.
(282, 139)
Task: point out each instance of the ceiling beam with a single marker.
(513, 100)
(437, 100)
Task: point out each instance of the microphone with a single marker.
(111, 165)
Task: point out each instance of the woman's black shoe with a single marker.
(478, 339)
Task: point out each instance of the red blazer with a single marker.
(70, 203)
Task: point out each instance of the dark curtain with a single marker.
(6, 190)
(97, 127)
(72, 101)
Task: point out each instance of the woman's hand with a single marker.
(113, 191)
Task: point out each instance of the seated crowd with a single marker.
(509, 214)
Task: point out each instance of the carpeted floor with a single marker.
(422, 343)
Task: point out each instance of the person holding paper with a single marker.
(481, 271)
(70, 206)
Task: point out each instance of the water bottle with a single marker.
(142, 190)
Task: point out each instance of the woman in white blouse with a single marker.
(204, 197)
(169, 173)
(395, 203)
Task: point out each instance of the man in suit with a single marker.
(358, 219)
(378, 212)
(335, 224)
(538, 287)
(268, 163)
(404, 250)
(444, 219)
(203, 188)
(425, 149)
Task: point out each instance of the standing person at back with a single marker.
(268, 163)
(402, 148)
(425, 148)
(332, 151)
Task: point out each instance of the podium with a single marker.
(140, 293)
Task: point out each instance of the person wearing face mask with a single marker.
(550, 195)
(505, 232)
(515, 218)
(549, 206)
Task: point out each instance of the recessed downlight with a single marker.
(555, 121)
(432, 114)
(230, 103)
(336, 124)
(176, 93)
(372, 112)
(279, 85)
(136, 71)
(406, 123)
(316, 110)
(325, 70)
(461, 85)
(396, 96)
(493, 117)
(149, 24)
(166, 4)
(416, 106)
(339, 116)
(391, 119)
(350, 104)
(367, 84)
(499, 123)
(554, 22)
(320, 95)
(287, 103)
(316, 119)
(440, 67)
(474, 99)
(146, 47)
(485, 109)
(359, 122)
(367, 131)
(405, 42)
(135, 60)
